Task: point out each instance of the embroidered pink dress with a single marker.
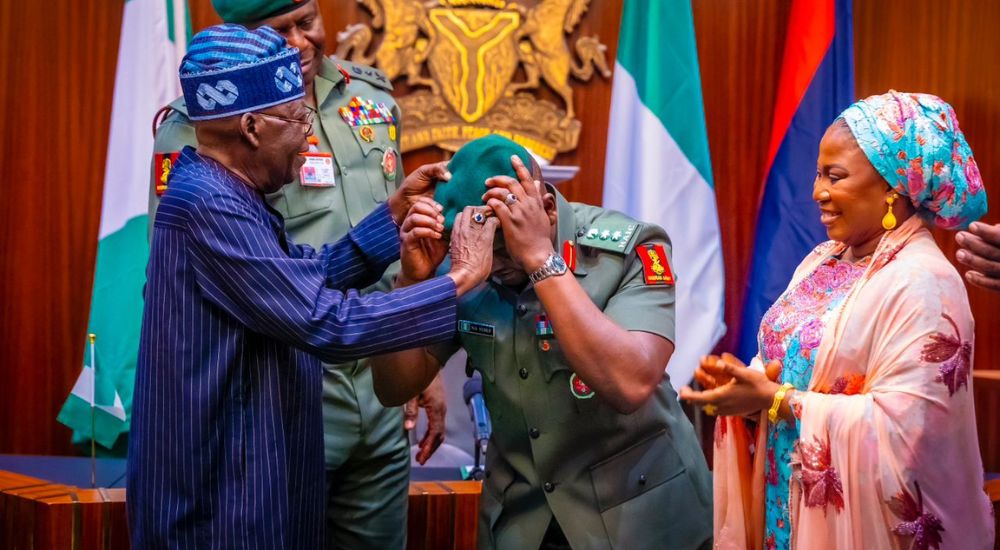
(790, 332)
(886, 454)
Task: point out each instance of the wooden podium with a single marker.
(37, 514)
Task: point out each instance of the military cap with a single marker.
(247, 11)
(472, 165)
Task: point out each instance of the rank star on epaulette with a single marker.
(655, 266)
(163, 164)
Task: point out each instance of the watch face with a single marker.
(558, 264)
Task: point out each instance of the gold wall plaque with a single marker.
(461, 58)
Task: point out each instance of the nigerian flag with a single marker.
(153, 39)
(658, 167)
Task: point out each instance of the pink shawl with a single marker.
(888, 455)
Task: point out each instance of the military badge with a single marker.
(163, 164)
(367, 133)
(389, 161)
(473, 327)
(364, 112)
(655, 266)
(544, 332)
(579, 388)
(392, 132)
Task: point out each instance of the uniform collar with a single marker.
(566, 229)
(328, 78)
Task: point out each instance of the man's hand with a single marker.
(980, 250)
(418, 184)
(435, 402)
(422, 247)
(525, 223)
(472, 248)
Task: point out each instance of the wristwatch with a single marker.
(554, 265)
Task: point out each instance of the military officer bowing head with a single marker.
(572, 333)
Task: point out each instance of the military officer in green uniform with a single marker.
(590, 448)
(353, 165)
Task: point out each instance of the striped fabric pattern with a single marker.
(227, 437)
(225, 46)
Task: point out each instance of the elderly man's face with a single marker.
(281, 142)
(303, 29)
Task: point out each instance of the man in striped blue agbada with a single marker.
(227, 439)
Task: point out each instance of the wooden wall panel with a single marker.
(57, 67)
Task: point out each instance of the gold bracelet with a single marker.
(779, 396)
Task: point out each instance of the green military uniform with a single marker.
(636, 481)
(367, 452)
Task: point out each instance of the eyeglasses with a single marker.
(308, 122)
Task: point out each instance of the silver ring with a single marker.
(479, 218)
(511, 199)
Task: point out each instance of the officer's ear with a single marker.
(549, 202)
(250, 129)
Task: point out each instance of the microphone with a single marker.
(472, 394)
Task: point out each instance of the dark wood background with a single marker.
(58, 65)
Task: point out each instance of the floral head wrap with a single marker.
(914, 142)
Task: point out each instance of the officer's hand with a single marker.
(434, 401)
(422, 247)
(418, 184)
(472, 248)
(980, 250)
(526, 225)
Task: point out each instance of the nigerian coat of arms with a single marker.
(461, 59)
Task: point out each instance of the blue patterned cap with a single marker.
(229, 70)
(914, 142)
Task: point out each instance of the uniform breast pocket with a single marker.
(373, 141)
(480, 350)
(647, 499)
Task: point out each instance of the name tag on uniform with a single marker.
(472, 327)
(318, 170)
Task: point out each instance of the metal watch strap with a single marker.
(554, 265)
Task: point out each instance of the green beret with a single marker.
(248, 11)
(472, 165)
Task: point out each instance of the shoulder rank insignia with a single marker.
(163, 164)
(655, 266)
(610, 236)
(362, 112)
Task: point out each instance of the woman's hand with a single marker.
(733, 389)
(422, 247)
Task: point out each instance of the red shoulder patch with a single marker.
(569, 255)
(163, 164)
(655, 266)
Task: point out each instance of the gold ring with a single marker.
(710, 409)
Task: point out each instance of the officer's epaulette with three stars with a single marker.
(370, 75)
(610, 235)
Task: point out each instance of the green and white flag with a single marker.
(94, 405)
(154, 36)
(658, 168)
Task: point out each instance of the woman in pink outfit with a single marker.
(854, 426)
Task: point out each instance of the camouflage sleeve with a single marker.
(172, 135)
(644, 300)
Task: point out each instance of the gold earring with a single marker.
(889, 220)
